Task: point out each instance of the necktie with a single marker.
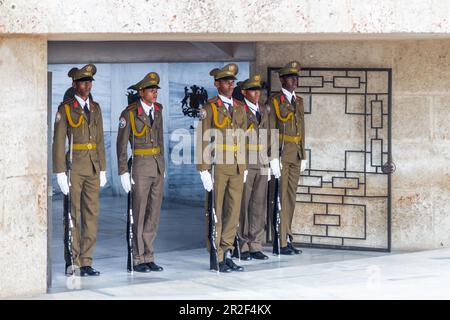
(150, 116)
(293, 101)
(258, 116)
(230, 108)
(87, 112)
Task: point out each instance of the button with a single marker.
(89, 146)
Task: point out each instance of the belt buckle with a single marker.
(89, 146)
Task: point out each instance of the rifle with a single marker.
(130, 221)
(68, 210)
(276, 219)
(237, 245)
(211, 213)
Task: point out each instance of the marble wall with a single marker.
(23, 165)
(420, 126)
(244, 20)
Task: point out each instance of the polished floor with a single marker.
(315, 274)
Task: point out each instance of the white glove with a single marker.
(102, 178)
(126, 181)
(62, 182)
(303, 165)
(207, 180)
(269, 174)
(276, 167)
(245, 175)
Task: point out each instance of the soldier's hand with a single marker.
(126, 182)
(269, 174)
(245, 175)
(102, 178)
(207, 180)
(275, 167)
(303, 165)
(62, 182)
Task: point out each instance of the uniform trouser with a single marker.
(147, 199)
(253, 211)
(84, 193)
(290, 173)
(227, 194)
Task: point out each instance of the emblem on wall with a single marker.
(193, 100)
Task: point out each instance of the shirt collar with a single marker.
(226, 100)
(252, 106)
(288, 94)
(81, 101)
(146, 107)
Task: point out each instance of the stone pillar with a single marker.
(23, 165)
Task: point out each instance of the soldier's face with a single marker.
(289, 82)
(149, 95)
(225, 87)
(252, 95)
(82, 88)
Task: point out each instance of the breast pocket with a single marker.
(239, 119)
(94, 127)
(284, 110)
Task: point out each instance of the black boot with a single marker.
(296, 251)
(88, 271)
(246, 256)
(142, 267)
(233, 266)
(259, 255)
(224, 268)
(286, 251)
(154, 267)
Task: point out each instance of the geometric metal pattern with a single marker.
(344, 195)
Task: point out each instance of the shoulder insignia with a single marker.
(202, 114)
(131, 106)
(213, 99)
(122, 122)
(158, 106)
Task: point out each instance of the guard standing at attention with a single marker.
(80, 119)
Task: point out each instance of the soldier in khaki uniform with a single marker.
(254, 199)
(288, 116)
(80, 119)
(141, 124)
(223, 125)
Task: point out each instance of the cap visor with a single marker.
(290, 75)
(253, 88)
(227, 78)
(151, 87)
(85, 79)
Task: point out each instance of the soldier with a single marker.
(288, 116)
(80, 119)
(224, 118)
(141, 124)
(254, 199)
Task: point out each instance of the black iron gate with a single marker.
(344, 196)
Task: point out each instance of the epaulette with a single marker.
(131, 106)
(213, 99)
(70, 101)
(158, 106)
